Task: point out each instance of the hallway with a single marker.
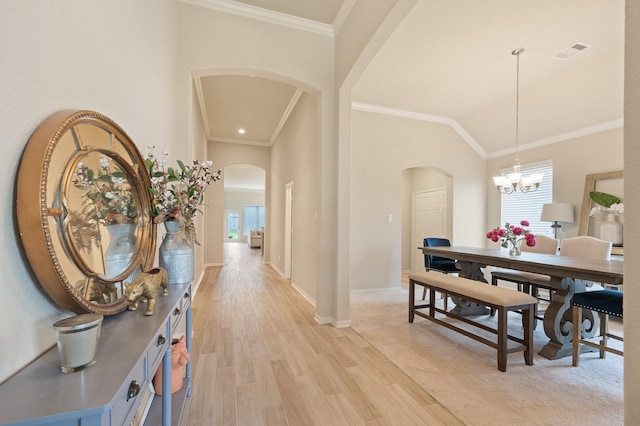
(259, 358)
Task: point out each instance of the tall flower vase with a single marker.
(611, 230)
(176, 254)
(122, 243)
(514, 248)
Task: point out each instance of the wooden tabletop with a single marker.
(604, 271)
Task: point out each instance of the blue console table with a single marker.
(111, 392)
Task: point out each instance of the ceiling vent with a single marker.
(571, 51)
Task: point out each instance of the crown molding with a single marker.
(608, 125)
(285, 115)
(424, 117)
(238, 141)
(265, 15)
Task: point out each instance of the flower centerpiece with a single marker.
(177, 193)
(511, 236)
(108, 198)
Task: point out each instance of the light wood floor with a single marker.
(260, 358)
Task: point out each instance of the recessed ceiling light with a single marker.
(242, 131)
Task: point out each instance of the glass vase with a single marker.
(176, 254)
(514, 248)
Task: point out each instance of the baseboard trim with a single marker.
(304, 294)
(342, 324)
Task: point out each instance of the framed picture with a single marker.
(611, 183)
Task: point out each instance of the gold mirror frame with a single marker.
(64, 244)
(590, 184)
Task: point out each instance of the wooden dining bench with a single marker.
(501, 299)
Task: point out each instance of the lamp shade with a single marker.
(557, 212)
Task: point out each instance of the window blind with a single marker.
(253, 218)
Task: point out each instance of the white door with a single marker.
(288, 230)
(430, 219)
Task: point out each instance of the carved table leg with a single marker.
(471, 271)
(558, 324)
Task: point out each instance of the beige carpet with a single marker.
(462, 374)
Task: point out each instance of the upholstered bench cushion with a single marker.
(606, 301)
(499, 296)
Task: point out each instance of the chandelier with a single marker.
(514, 180)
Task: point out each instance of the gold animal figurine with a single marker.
(146, 285)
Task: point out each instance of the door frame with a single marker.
(415, 264)
(288, 231)
(226, 225)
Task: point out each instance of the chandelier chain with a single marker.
(517, 52)
(515, 180)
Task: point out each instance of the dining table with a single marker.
(568, 276)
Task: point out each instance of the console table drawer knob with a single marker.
(161, 340)
(176, 312)
(134, 390)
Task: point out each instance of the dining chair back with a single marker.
(440, 264)
(586, 247)
(582, 246)
(436, 263)
(545, 245)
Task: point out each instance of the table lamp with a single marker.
(557, 212)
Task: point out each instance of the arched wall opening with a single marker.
(244, 200)
(427, 211)
(295, 154)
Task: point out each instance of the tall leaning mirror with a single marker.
(610, 183)
(83, 211)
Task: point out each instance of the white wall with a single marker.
(112, 57)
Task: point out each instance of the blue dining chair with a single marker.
(439, 264)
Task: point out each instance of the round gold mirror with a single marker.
(83, 211)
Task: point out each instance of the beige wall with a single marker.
(60, 55)
(632, 211)
(294, 158)
(363, 24)
(381, 148)
(572, 161)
